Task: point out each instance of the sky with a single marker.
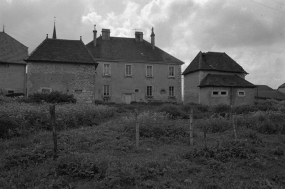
(252, 32)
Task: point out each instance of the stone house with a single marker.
(214, 78)
(133, 69)
(62, 65)
(12, 65)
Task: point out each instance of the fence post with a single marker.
(191, 127)
(54, 134)
(234, 126)
(137, 132)
(205, 134)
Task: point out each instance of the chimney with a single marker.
(54, 32)
(94, 36)
(139, 36)
(105, 34)
(152, 39)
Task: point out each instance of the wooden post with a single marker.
(54, 135)
(234, 126)
(137, 132)
(191, 127)
(205, 135)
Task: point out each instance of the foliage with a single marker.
(221, 109)
(18, 118)
(53, 97)
(172, 110)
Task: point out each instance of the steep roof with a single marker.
(127, 49)
(218, 80)
(282, 86)
(11, 50)
(213, 61)
(62, 51)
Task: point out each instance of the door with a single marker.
(128, 98)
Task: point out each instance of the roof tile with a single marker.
(219, 80)
(214, 61)
(61, 50)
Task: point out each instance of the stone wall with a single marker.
(12, 78)
(76, 79)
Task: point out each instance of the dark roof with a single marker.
(127, 49)
(11, 50)
(263, 88)
(282, 86)
(274, 94)
(213, 61)
(218, 80)
(61, 50)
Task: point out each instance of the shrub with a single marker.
(244, 109)
(214, 125)
(172, 110)
(53, 97)
(221, 109)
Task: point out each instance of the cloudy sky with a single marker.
(252, 32)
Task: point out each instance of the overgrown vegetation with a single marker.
(104, 155)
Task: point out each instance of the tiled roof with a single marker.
(263, 88)
(218, 80)
(61, 50)
(274, 94)
(127, 49)
(11, 50)
(213, 61)
(282, 86)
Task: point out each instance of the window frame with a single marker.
(106, 90)
(151, 91)
(151, 74)
(169, 72)
(241, 91)
(46, 88)
(171, 93)
(131, 70)
(215, 95)
(108, 71)
(224, 95)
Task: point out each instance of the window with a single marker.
(241, 93)
(10, 91)
(215, 93)
(106, 69)
(136, 90)
(171, 71)
(224, 93)
(149, 72)
(106, 90)
(45, 90)
(78, 91)
(128, 71)
(171, 91)
(219, 93)
(149, 91)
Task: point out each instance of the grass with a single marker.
(105, 156)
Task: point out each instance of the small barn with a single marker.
(215, 78)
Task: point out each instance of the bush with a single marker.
(214, 125)
(244, 109)
(221, 109)
(53, 97)
(172, 110)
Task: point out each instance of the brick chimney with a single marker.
(152, 36)
(139, 36)
(105, 34)
(94, 36)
